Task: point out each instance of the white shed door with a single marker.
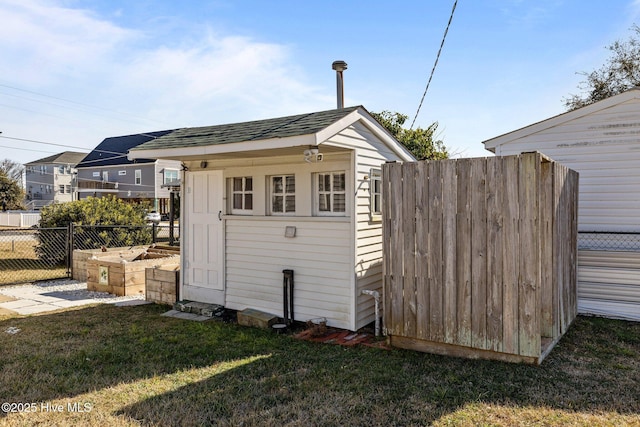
(203, 280)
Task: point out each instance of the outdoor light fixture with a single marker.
(312, 154)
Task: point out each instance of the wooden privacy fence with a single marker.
(480, 255)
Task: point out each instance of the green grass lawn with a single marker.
(128, 366)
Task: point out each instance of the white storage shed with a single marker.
(297, 193)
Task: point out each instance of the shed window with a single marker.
(241, 195)
(283, 194)
(375, 190)
(331, 193)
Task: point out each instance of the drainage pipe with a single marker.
(376, 298)
(287, 291)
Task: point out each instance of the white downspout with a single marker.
(376, 298)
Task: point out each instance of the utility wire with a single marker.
(455, 3)
(80, 104)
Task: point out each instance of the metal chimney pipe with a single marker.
(339, 66)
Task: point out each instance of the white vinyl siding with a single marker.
(603, 148)
(257, 251)
(601, 143)
(370, 153)
(608, 283)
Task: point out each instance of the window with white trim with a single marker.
(241, 189)
(170, 176)
(282, 190)
(61, 189)
(331, 193)
(375, 190)
(138, 176)
(121, 173)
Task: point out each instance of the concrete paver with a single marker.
(48, 296)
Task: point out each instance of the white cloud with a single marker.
(44, 42)
(192, 80)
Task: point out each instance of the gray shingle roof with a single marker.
(66, 157)
(282, 127)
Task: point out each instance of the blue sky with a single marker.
(74, 72)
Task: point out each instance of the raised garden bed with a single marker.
(123, 273)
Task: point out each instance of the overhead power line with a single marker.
(455, 3)
(122, 115)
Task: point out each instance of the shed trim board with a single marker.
(333, 257)
(600, 141)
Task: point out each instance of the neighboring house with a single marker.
(106, 170)
(297, 193)
(601, 141)
(52, 179)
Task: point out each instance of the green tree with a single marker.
(422, 143)
(620, 73)
(11, 193)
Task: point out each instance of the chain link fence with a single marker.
(609, 241)
(33, 254)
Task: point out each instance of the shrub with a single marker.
(98, 221)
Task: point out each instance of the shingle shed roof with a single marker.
(282, 127)
(66, 157)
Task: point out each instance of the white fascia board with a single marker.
(491, 144)
(212, 150)
(372, 124)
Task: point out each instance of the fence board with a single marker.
(397, 244)
(478, 255)
(511, 254)
(409, 247)
(449, 204)
(529, 335)
(494, 253)
(549, 298)
(436, 322)
(422, 256)
(463, 252)
(387, 297)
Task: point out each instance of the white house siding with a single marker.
(369, 153)
(320, 255)
(608, 284)
(604, 147)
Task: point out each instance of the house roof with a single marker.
(631, 94)
(282, 132)
(113, 151)
(66, 157)
(281, 127)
